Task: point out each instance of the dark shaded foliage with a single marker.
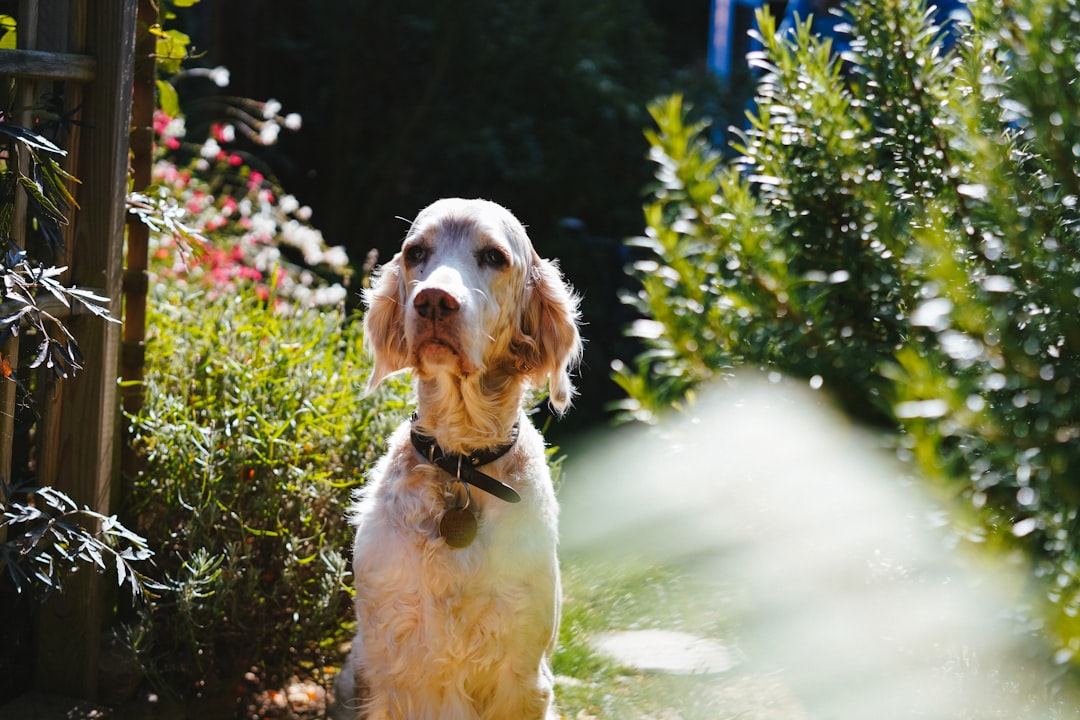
(537, 104)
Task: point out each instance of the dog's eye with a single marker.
(416, 254)
(494, 258)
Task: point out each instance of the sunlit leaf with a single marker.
(168, 99)
(8, 28)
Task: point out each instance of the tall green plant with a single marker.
(899, 228)
(255, 432)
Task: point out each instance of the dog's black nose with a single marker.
(435, 304)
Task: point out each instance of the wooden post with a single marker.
(9, 351)
(135, 285)
(70, 626)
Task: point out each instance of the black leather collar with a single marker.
(464, 467)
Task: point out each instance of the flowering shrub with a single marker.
(255, 433)
(238, 225)
(255, 429)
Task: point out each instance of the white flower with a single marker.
(220, 76)
(306, 239)
(271, 108)
(268, 133)
(293, 121)
(266, 259)
(210, 148)
(228, 133)
(329, 295)
(336, 257)
(301, 293)
(263, 227)
(289, 204)
(303, 213)
(175, 128)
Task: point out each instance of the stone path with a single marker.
(666, 651)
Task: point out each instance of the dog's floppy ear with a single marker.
(384, 323)
(550, 346)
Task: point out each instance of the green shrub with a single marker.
(255, 432)
(900, 229)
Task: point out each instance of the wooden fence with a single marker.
(85, 50)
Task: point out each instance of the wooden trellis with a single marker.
(88, 46)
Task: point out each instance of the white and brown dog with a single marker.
(457, 579)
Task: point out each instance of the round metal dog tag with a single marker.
(458, 527)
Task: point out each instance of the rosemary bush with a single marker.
(255, 433)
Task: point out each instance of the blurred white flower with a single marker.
(266, 259)
(271, 108)
(289, 204)
(263, 227)
(293, 121)
(331, 295)
(220, 76)
(301, 293)
(306, 239)
(210, 149)
(336, 257)
(175, 129)
(268, 133)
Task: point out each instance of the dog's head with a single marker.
(468, 295)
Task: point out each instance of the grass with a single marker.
(604, 597)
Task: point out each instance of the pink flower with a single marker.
(161, 121)
(255, 180)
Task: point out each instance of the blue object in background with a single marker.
(727, 26)
(723, 30)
